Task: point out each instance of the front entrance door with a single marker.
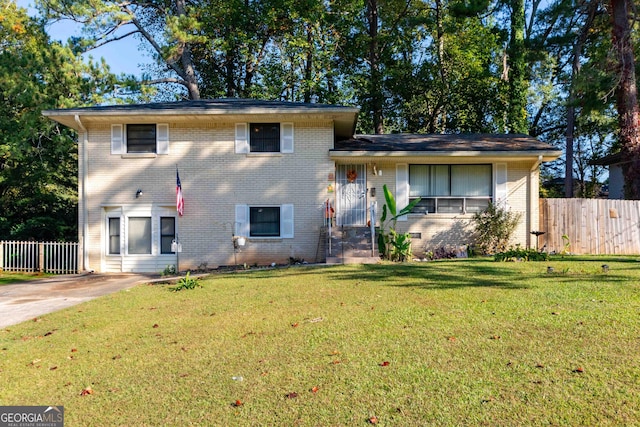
(351, 183)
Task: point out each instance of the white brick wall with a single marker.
(214, 179)
(439, 230)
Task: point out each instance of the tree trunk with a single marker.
(186, 59)
(374, 62)
(517, 112)
(626, 97)
(571, 108)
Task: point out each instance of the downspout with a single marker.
(83, 194)
(535, 167)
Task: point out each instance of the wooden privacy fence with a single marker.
(593, 226)
(44, 257)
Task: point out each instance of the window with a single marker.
(450, 188)
(264, 137)
(141, 138)
(167, 234)
(114, 236)
(264, 221)
(139, 240)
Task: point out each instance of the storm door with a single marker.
(351, 183)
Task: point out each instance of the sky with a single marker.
(122, 56)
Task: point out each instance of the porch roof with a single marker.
(445, 145)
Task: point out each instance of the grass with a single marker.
(11, 278)
(461, 342)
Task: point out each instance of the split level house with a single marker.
(260, 178)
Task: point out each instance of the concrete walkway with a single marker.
(27, 300)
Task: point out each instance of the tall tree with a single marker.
(517, 79)
(38, 159)
(626, 95)
(170, 29)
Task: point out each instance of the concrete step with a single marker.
(353, 260)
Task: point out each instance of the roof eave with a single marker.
(547, 156)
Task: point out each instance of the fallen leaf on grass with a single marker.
(385, 363)
(373, 420)
(116, 357)
(294, 325)
(539, 365)
(291, 395)
(237, 403)
(452, 339)
(495, 337)
(48, 333)
(314, 389)
(156, 325)
(86, 391)
(335, 362)
(53, 368)
(579, 370)
(73, 350)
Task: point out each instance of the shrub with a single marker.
(521, 254)
(186, 282)
(494, 227)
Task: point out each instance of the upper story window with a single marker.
(264, 138)
(450, 188)
(141, 138)
(148, 138)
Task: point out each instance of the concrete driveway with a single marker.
(27, 300)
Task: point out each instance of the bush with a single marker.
(186, 282)
(494, 228)
(520, 254)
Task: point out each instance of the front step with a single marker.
(351, 245)
(353, 260)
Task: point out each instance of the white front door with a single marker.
(351, 183)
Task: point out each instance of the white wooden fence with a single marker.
(43, 257)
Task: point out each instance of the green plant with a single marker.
(169, 270)
(521, 254)
(494, 227)
(399, 246)
(391, 244)
(567, 245)
(186, 282)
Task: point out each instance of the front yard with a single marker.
(461, 342)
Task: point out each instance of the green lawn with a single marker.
(461, 342)
(11, 278)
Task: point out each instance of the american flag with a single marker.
(179, 199)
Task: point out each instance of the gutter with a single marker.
(545, 156)
(83, 195)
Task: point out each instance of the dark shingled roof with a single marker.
(235, 105)
(443, 143)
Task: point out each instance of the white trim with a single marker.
(402, 188)
(162, 138)
(242, 221)
(286, 138)
(242, 138)
(117, 139)
(501, 191)
(286, 221)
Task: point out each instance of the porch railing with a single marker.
(43, 257)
